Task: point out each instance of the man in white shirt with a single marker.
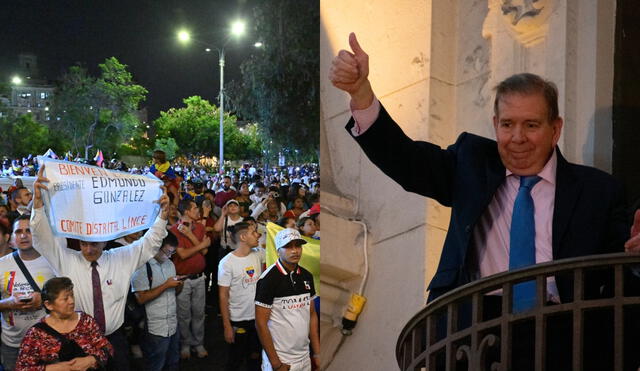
(112, 269)
(21, 305)
(238, 273)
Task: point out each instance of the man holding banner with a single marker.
(96, 205)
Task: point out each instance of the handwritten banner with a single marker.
(95, 204)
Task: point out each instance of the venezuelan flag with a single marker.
(310, 254)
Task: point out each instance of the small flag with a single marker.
(99, 159)
(50, 154)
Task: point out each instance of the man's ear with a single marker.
(557, 127)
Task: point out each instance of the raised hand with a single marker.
(38, 186)
(164, 202)
(350, 71)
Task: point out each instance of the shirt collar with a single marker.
(283, 270)
(101, 260)
(548, 172)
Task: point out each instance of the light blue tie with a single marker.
(522, 251)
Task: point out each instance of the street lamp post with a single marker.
(237, 29)
(221, 155)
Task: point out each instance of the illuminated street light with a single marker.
(16, 80)
(184, 36)
(258, 44)
(238, 28)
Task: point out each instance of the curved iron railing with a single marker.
(455, 332)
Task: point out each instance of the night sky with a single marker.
(140, 33)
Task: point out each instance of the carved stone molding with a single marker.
(526, 20)
(519, 11)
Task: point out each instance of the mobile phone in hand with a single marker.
(26, 300)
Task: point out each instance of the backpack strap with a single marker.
(25, 272)
(149, 274)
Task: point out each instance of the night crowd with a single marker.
(75, 305)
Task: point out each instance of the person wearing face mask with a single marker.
(155, 285)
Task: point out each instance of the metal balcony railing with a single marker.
(458, 332)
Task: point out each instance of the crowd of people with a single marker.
(65, 304)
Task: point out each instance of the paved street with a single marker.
(214, 343)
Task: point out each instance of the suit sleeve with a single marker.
(419, 167)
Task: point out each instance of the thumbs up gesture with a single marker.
(350, 71)
(633, 244)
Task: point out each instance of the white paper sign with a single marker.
(95, 204)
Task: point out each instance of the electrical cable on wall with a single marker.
(357, 300)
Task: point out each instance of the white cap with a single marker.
(232, 201)
(287, 235)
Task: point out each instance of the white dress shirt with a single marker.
(115, 266)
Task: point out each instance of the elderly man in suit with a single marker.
(515, 201)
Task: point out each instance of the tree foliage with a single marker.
(22, 135)
(168, 145)
(98, 112)
(280, 82)
(195, 131)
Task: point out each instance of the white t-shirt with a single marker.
(16, 323)
(240, 274)
(225, 239)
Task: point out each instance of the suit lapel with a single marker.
(496, 174)
(567, 193)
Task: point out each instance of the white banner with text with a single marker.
(91, 203)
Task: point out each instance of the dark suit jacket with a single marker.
(589, 213)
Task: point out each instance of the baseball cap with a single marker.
(287, 235)
(232, 202)
(315, 209)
